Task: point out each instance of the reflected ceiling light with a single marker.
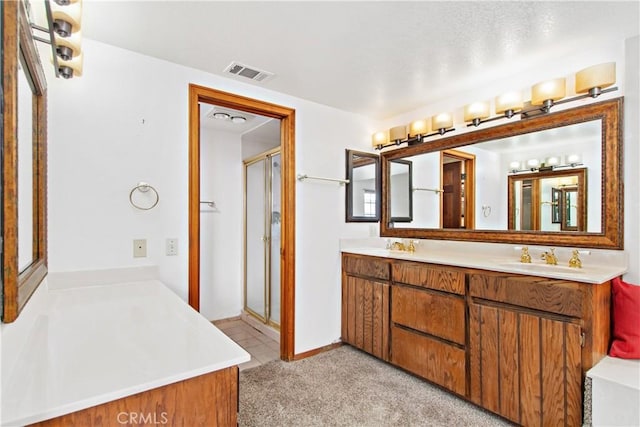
(442, 123)
(476, 112)
(593, 79)
(547, 92)
(573, 159)
(221, 116)
(515, 166)
(238, 119)
(552, 161)
(533, 163)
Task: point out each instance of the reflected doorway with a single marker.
(457, 201)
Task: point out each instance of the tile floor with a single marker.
(261, 348)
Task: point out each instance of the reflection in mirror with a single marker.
(401, 190)
(363, 189)
(587, 137)
(24, 162)
(494, 162)
(548, 201)
(25, 168)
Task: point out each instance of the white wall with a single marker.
(221, 177)
(126, 120)
(632, 159)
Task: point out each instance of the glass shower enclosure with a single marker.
(262, 237)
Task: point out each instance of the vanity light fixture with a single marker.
(547, 92)
(590, 82)
(508, 104)
(476, 112)
(442, 123)
(397, 134)
(64, 36)
(380, 140)
(593, 79)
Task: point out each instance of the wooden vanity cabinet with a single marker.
(516, 345)
(531, 340)
(365, 304)
(428, 332)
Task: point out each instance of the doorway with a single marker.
(262, 237)
(286, 116)
(457, 204)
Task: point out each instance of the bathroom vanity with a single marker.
(121, 353)
(489, 330)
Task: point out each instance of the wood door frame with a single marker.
(286, 116)
(469, 185)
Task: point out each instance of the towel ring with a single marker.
(143, 187)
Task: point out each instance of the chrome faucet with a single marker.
(550, 257)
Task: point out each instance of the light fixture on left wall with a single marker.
(64, 30)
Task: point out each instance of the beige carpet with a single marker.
(346, 387)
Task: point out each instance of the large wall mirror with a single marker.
(24, 254)
(522, 182)
(363, 189)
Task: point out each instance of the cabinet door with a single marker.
(365, 315)
(525, 367)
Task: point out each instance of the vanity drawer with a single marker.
(446, 279)
(365, 266)
(441, 363)
(550, 295)
(429, 312)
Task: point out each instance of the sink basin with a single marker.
(541, 268)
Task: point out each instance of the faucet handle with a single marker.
(575, 261)
(525, 257)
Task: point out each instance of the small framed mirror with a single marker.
(551, 201)
(363, 188)
(401, 190)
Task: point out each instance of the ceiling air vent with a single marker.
(247, 71)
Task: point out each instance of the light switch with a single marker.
(172, 247)
(139, 248)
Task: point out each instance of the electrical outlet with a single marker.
(172, 247)
(139, 248)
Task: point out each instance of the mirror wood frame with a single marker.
(351, 164)
(17, 39)
(611, 235)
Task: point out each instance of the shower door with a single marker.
(262, 238)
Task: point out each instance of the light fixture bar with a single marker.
(51, 41)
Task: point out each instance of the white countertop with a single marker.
(89, 345)
(598, 266)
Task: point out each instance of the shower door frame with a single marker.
(286, 116)
(268, 220)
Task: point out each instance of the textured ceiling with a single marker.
(374, 58)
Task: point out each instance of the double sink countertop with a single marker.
(598, 265)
